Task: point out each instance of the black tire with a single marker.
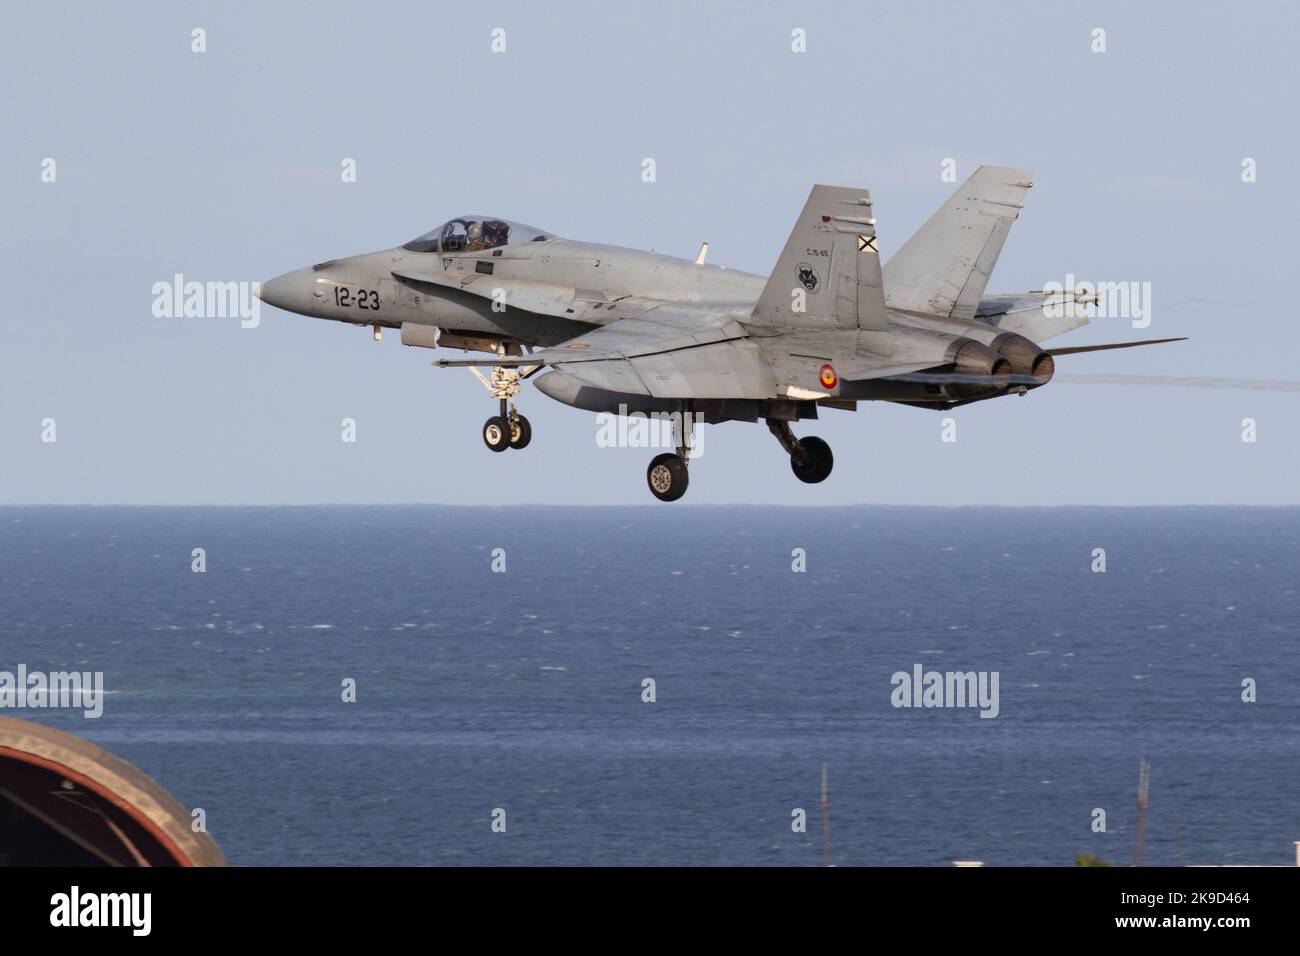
(813, 461)
(496, 433)
(667, 477)
(521, 434)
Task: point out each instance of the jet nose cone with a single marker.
(291, 291)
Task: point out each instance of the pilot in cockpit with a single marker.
(495, 233)
(475, 241)
(486, 235)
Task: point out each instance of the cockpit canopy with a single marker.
(474, 234)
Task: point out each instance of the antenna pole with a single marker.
(826, 821)
(1140, 823)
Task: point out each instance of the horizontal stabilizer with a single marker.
(1037, 316)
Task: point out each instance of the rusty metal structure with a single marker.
(66, 802)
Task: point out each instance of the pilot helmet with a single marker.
(474, 231)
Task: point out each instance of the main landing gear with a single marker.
(508, 429)
(667, 475)
(810, 458)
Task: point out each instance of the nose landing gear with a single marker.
(508, 429)
(521, 433)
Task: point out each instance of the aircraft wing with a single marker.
(543, 298)
(674, 352)
(656, 330)
(667, 352)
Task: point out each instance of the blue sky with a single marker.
(224, 166)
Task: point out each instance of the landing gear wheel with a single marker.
(667, 477)
(496, 433)
(812, 460)
(521, 433)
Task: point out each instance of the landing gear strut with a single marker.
(810, 458)
(667, 475)
(508, 429)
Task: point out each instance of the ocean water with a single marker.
(522, 690)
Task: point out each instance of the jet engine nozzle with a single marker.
(1030, 365)
(978, 371)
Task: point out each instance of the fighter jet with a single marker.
(627, 332)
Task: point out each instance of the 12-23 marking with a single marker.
(362, 298)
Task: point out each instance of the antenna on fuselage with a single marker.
(704, 251)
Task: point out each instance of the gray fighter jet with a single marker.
(627, 332)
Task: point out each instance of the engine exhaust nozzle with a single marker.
(978, 371)
(1030, 365)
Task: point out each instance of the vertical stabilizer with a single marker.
(944, 268)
